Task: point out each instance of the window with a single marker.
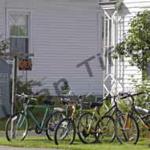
(19, 32)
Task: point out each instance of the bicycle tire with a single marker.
(65, 129)
(52, 122)
(146, 120)
(16, 128)
(86, 134)
(127, 129)
(106, 129)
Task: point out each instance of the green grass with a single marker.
(2, 123)
(42, 142)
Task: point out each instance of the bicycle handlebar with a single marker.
(73, 99)
(123, 95)
(130, 95)
(24, 96)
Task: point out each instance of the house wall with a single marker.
(63, 33)
(70, 38)
(2, 19)
(4, 88)
(128, 10)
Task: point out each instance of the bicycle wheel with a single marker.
(65, 132)
(16, 127)
(146, 120)
(105, 129)
(127, 129)
(86, 128)
(52, 122)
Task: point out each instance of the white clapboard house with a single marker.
(70, 40)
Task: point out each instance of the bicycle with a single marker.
(17, 125)
(65, 131)
(122, 123)
(87, 122)
(139, 114)
(93, 127)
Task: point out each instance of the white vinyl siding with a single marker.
(68, 36)
(63, 33)
(2, 20)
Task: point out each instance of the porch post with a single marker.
(110, 9)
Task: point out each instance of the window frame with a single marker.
(19, 12)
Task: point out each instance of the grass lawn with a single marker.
(42, 142)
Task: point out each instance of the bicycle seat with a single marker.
(47, 102)
(59, 109)
(96, 104)
(67, 100)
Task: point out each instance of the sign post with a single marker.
(14, 78)
(24, 65)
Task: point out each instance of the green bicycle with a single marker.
(17, 125)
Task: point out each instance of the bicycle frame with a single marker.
(140, 116)
(28, 113)
(134, 110)
(113, 110)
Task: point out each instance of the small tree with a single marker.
(137, 43)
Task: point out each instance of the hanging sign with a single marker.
(25, 64)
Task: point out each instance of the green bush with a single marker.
(27, 88)
(143, 98)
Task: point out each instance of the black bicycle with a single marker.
(66, 129)
(113, 124)
(96, 127)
